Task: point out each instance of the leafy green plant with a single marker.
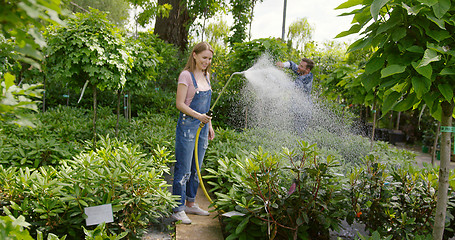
(397, 201)
(298, 199)
(99, 233)
(413, 65)
(53, 199)
(95, 55)
(17, 103)
(16, 228)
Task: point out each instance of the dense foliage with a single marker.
(60, 174)
(283, 194)
(88, 49)
(286, 186)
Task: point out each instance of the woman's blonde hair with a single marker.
(200, 47)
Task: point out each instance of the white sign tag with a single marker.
(98, 214)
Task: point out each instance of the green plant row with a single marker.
(61, 133)
(303, 192)
(12, 228)
(52, 199)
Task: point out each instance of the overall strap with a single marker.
(195, 83)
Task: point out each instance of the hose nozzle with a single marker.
(222, 91)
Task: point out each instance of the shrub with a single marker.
(53, 199)
(394, 200)
(282, 199)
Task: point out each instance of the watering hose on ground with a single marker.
(197, 139)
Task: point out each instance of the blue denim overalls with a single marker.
(186, 181)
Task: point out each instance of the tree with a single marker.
(117, 10)
(175, 27)
(22, 22)
(21, 41)
(217, 33)
(88, 51)
(300, 32)
(414, 65)
(242, 11)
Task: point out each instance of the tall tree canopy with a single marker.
(300, 32)
(414, 65)
(117, 9)
(175, 28)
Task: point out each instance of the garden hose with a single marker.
(197, 163)
(201, 125)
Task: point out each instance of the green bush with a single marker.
(12, 228)
(53, 199)
(397, 201)
(379, 187)
(282, 196)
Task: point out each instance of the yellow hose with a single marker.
(197, 162)
(201, 125)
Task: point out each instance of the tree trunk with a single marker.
(129, 106)
(374, 125)
(94, 116)
(44, 93)
(119, 92)
(441, 206)
(435, 144)
(397, 127)
(175, 28)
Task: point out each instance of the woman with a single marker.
(193, 100)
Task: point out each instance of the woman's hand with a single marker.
(211, 133)
(204, 118)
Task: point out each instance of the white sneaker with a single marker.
(181, 216)
(196, 210)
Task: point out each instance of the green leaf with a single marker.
(428, 57)
(431, 99)
(389, 101)
(374, 64)
(9, 80)
(384, 27)
(354, 29)
(371, 81)
(242, 225)
(406, 103)
(446, 91)
(392, 69)
(359, 44)
(441, 8)
(425, 71)
(428, 2)
(438, 35)
(349, 3)
(447, 71)
(439, 22)
(413, 10)
(376, 7)
(421, 86)
(83, 203)
(415, 49)
(399, 34)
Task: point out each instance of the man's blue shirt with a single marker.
(304, 82)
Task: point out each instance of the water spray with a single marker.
(201, 125)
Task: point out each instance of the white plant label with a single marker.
(99, 214)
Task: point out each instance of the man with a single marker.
(302, 110)
(304, 78)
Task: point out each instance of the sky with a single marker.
(321, 14)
